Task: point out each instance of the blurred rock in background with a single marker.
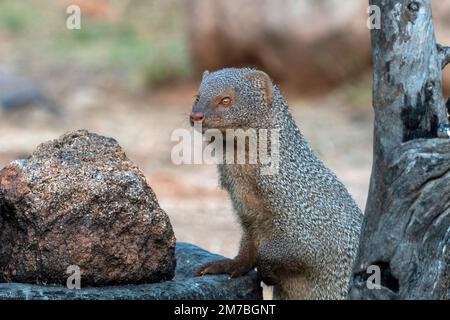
(311, 45)
(18, 92)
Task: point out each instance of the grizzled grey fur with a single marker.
(300, 226)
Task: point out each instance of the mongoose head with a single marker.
(232, 98)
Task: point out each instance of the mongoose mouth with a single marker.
(211, 124)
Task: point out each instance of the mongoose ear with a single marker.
(205, 73)
(263, 82)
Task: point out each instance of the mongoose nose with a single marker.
(197, 116)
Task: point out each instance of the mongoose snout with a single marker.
(197, 117)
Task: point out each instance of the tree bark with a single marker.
(406, 229)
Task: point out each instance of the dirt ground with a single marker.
(142, 123)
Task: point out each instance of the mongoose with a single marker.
(300, 226)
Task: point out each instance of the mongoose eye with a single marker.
(197, 97)
(225, 102)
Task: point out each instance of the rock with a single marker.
(183, 287)
(309, 44)
(17, 92)
(79, 200)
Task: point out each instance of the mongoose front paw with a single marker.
(232, 267)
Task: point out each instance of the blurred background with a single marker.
(133, 68)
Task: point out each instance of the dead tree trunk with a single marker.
(406, 230)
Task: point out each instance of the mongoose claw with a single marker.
(225, 266)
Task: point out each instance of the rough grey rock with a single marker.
(79, 200)
(183, 287)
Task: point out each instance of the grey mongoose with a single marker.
(300, 226)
